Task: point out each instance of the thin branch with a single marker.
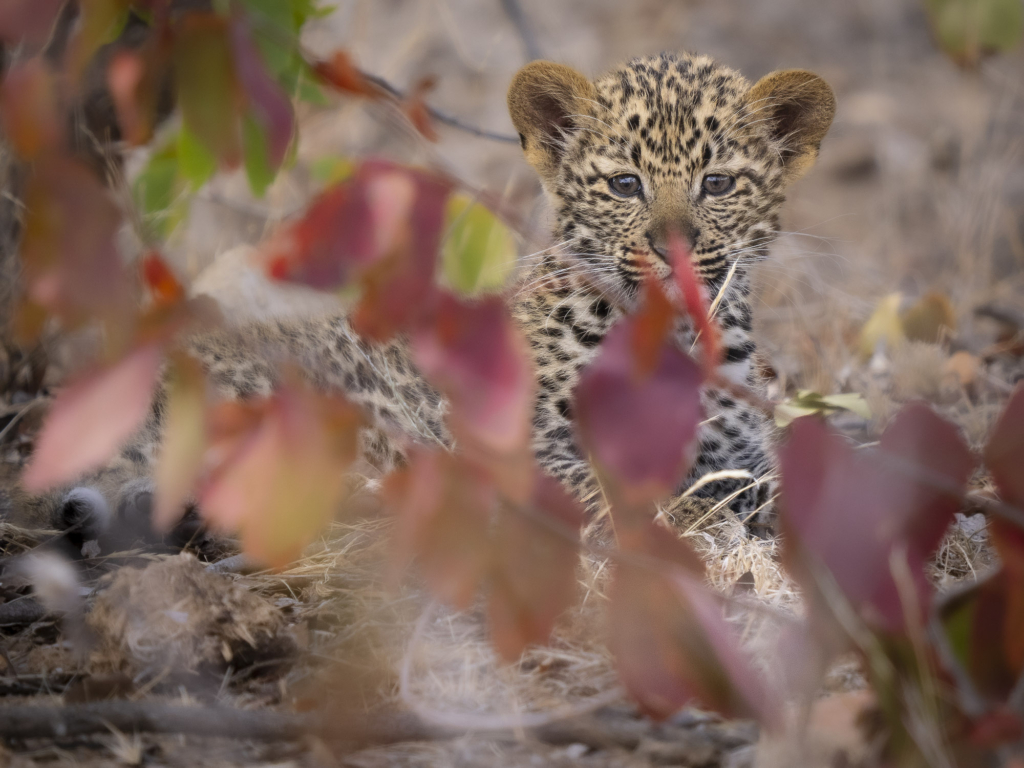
(438, 115)
(514, 11)
(349, 729)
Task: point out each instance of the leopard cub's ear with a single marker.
(547, 103)
(794, 108)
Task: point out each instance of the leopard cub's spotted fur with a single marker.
(671, 142)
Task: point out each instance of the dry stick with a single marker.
(439, 116)
(515, 13)
(352, 729)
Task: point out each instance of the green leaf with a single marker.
(195, 162)
(808, 403)
(479, 251)
(968, 29)
(160, 192)
(331, 170)
(208, 92)
(257, 162)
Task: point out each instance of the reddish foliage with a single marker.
(637, 426)
(533, 574)
(671, 642)
(1009, 542)
(269, 103)
(92, 417)
(30, 110)
(382, 227)
(1000, 726)
(341, 74)
(125, 77)
(280, 470)
(70, 259)
(28, 21)
(852, 512)
(695, 299)
(415, 108)
(135, 79)
(163, 286)
(651, 327)
(444, 507)
(477, 357)
(1004, 453)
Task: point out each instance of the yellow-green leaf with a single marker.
(479, 250)
(930, 318)
(332, 170)
(883, 325)
(968, 29)
(181, 455)
(808, 403)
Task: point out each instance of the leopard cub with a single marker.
(664, 143)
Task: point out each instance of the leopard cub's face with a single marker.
(662, 144)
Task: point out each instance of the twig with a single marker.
(515, 13)
(604, 729)
(438, 115)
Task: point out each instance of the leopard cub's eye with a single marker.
(719, 184)
(625, 185)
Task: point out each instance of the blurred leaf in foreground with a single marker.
(638, 425)
(479, 251)
(92, 417)
(533, 573)
(444, 508)
(670, 638)
(281, 474)
(969, 29)
(851, 512)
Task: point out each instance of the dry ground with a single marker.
(920, 188)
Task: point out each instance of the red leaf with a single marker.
(475, 355)
(415, 108)
(534, 568)
(280, 480)
(670, 640)
(399, 290)
(163, 285)
(92, 418)
(1000, 726)
(269, 103)
(851, 511)
(695, 300)
(1004, 454)
(30, 21)
(340, 73)
(651, 327)
(208, 92)
(71, 263)
(135, 79)
(29, 109)
(637, 429)
(381, 227)
(1009, 543)
(443, 506)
